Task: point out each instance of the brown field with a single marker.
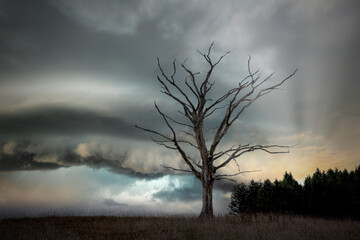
(260, 226)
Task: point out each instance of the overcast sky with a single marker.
(76, 75)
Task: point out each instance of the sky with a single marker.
(77, 75)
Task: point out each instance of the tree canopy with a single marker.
(333, 193)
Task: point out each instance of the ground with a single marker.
(254, 226)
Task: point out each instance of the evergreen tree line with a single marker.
(330, 194)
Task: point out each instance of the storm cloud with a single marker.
(66, 122)
(35, 155)
(23, 161)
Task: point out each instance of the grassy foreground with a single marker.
(260, 226)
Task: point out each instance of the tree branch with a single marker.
(235, 174)
(244, 149)
(176, 169)
(228, 119)
(173, 83)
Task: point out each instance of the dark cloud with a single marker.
(32, 36)
(65, 122)
(117, 166)
(37, 37)
(23, 161)
(25, 156)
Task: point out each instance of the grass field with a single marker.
(260, 226)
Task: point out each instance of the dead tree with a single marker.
(196, 107)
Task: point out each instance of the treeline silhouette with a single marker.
(329, 194)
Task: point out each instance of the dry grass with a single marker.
(259, 226)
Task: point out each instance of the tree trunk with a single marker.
(207, 204)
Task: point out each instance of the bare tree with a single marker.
(192, 96)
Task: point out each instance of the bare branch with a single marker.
(166, 121)
(173, 83)
(246, 98)
(187, 133)
(221, 57)
(176, 169)
(245, 149)
(174, 67)
(192, 90)
(188, 142)
(177, 122)
(212, 111)
(152, 131)
(209, 50)
(260, 94)
(166, 90)
(174, 140)
(192, 77)
(225, 178)
(235, 174)
(163, 142)
(195, 163)
(159, 142)
(205, 86)
(222, 98)
(222, 153)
